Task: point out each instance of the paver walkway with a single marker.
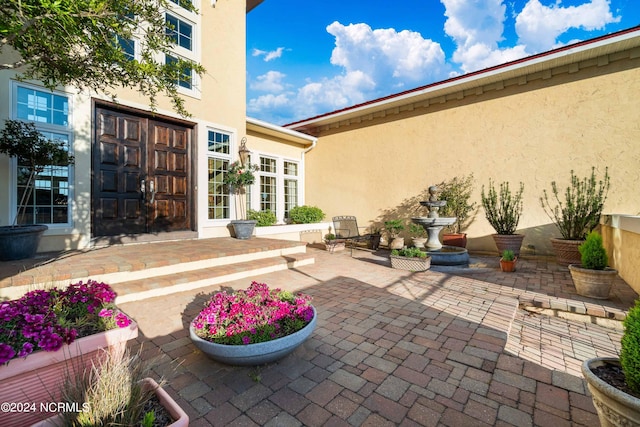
(397, 348)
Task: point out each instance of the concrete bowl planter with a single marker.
(254, 354)
(614, 406)
(20, 241)
(243, 228)
(592, 283)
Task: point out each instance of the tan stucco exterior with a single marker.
(621, 236)
(531, 122)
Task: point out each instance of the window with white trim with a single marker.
(268, 185)
(219, 157)
(182, 26)
(49, 203)
(290, 186)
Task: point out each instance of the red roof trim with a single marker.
(473, 73)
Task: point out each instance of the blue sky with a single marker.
(310, 57)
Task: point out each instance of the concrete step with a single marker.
(135, 290)
(163, 263)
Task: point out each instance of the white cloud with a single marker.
(268, 55)
(477, 28)
(269, 82)
(539, 26)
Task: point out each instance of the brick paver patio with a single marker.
(449, 347)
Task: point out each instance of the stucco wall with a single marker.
(221, 105)
(534, 132)
(621, 235)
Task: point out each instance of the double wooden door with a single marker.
(141, 174)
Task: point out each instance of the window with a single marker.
(290, 186)
(182, 3)
(128, 47)
(180, 32)
(48, 203)
(218, 163)
(186, 78)
(268, 185)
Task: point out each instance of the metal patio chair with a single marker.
(346, 229)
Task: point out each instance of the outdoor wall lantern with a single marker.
(244, 152)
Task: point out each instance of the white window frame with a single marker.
(46, 127)
(280, 177)
(225, 157)
(195, 54)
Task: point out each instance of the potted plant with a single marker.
(457, 193)
(576, 216)
(592, 277)
(394, 227)
(503, 212)
(116, 390)
(45, 331)
(253, 326)
(34, 152)
(412, 259)
(305, 214)
(237, 178)
(615, 383)
(333, 244)
(508, 261)
(418, 235)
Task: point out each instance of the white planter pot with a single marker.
(254, 354)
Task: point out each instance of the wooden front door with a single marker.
(141, 175)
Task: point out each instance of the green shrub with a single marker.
(264, 218)
(508, 255)
(457, 193)
(394, 227)
(503, 210)
(329, 236)
(630, 348)
(580, 212)
(306, 214)
(417, 230)
(409, 252)
(592, 252)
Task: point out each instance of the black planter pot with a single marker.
(20, 241)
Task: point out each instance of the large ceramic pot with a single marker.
(20, 241)
(511, 242)
(419, 242)
(454, 239)
(38, 378)
(615, 407)
(592, 283)
(243, 228)
(566, 251)
(254, 354)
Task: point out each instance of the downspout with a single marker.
(313, 145)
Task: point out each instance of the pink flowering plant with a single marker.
(254, 315)
(48, 319)
(239, 176)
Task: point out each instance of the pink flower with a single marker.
(105, 312)
(122, 320)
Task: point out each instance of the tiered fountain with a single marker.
(433, 224)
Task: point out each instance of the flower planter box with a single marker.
(254, 354)
(37, 379)
(410, 263)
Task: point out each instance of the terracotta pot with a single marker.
(254, 354)
(508, 241)
(455, 239)
(615, 407)
(566, 251)
(508, 266)
(592, 283)
(38, 378)
(410, 263)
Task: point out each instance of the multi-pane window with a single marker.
(268, 185)
(218, 164)
(180, 32)
(290, 186)
(128, 47)
(182, 3)
(48, 203)
(186, 76)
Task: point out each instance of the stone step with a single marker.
(135, 290)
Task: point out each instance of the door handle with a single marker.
(152, 189)
(143, 189)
